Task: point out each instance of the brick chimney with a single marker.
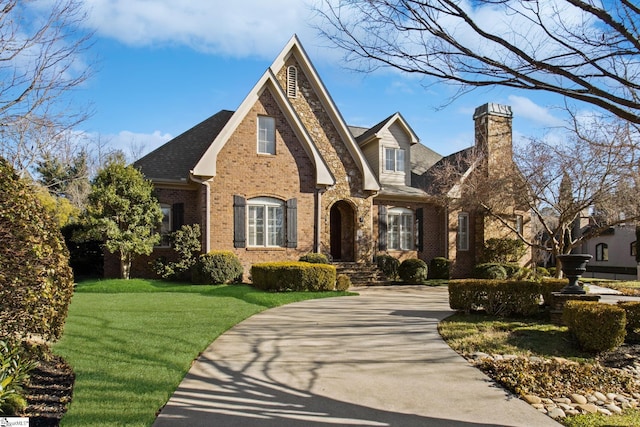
(493, 134)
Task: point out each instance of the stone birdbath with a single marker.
(573, 266)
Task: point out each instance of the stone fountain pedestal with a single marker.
(573, 265)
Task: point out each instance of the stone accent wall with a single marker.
(242, 171)
(349, 180)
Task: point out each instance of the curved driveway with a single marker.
(369, 360)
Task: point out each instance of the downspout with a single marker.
(207, 221)
(446, 232)
(318, 220)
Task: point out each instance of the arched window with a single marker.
(400, 234)
(265, 222)
(292, 82)
(602, 252)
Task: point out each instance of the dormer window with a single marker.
(393, 160)
(292, 82)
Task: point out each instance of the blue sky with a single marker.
(165, 65)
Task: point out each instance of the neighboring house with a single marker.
(613, 252)
(284, 175)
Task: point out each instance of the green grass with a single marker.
(467, 334)
(130, 343)
(527, 337)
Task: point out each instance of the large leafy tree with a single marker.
(122, 209)
(585, 50)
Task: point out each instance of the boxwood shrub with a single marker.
(495, 297)
(314, 258)
(389, 265)
(632, 309)
(293, 276)
(413, 270)
(217, 267)
(440, 268)
(343, 282)
(548, 286)
(597, 326)
(489, 271)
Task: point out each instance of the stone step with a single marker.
(361, 274)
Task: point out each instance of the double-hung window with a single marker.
(266, 135)
(394, 160)
(165, 226)
(400, 234)
(602, 252)
(463, 232)
(265, 217)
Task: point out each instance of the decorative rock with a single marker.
(538, 406)
(621, 399)
(572, 412)
(562, 400)
(635, 395)
(565, 407)
(592, 399)
(588, 407)
(578, 398)
(509, 357)
(478, 355)
(626, 405)
(547, 401)
(600, 396)
(611, 396)
(604, 411)
(556, 413)
(531, 399)
(613, 408)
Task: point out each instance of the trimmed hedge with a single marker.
(597, 326)
(549, 285)
(314, 258)
(293, 276)
(632, 309)
(413, 270)
(495, 297)
(389, 265)
(217, 267)
(489, 271)
(439, 268)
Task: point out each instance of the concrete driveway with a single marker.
(369, 360)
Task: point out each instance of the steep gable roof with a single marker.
(294, 47)
(440, 178)
(374, 132)
(206, 166)
(173, 160)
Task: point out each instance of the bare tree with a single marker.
(582, 49)
(575, 189)
(41, 47)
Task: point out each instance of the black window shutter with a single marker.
(382, 228)
(177, 216)
(420, 236)
(239, 222)
(292, 223)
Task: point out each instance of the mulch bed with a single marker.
(49, 392)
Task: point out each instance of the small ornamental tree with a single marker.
(123, 210)
(36, 282)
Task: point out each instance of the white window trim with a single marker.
(406, 231)
(259, 139)
(398, 164)
(462, 241)
(164, 234)
(265, 203)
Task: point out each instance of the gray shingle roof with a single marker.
(431, 179)
(173, 160)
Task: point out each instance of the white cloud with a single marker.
(234, 28)
(525, 108)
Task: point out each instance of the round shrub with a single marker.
(314, 258)
(36, 282)
(489, 271)
(217, 267)
(389, 265)
(597, 326)
(413, 270)
(440, 268)
(343, 282)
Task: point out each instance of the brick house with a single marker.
(284, 175)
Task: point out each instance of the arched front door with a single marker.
(342, 223)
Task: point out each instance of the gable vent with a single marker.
(292, 82)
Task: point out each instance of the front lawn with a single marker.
(130, 343)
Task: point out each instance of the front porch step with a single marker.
(361, 274)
